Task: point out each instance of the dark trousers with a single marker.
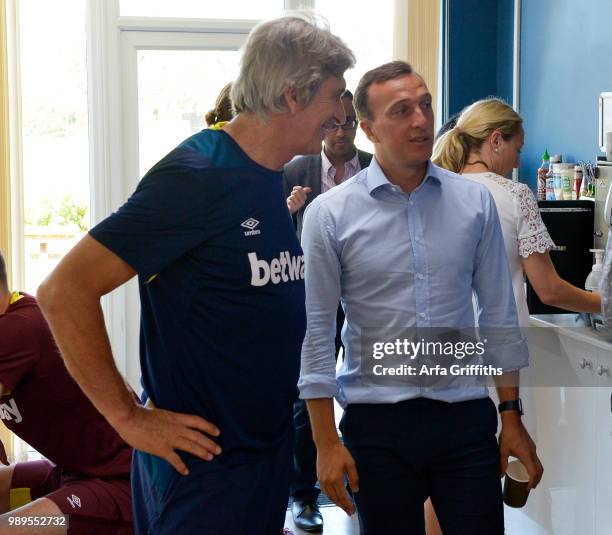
(248, 498)
(410, 450)
(304, 480)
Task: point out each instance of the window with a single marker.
(227, 9)
(54, 132)
(175, 90)
(369, 34)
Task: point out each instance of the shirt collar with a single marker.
(376, 177)
(15, 296)
(327, 165)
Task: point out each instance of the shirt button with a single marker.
(420, 276)
(422, 314)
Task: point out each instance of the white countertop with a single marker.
(573, 326)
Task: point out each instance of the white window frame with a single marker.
(16, 145)
(110, 80)
(112, 42)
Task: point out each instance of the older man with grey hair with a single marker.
(221, 273)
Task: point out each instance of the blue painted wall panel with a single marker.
(481, 35)
(566, 61)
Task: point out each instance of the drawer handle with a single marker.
(602, 370)
(584, 363)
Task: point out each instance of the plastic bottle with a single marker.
(567, 180)
(578, 176)
(557, 181)
(550, 179)
(542, 173)
(592, 281)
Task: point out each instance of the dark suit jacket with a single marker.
(306, 171)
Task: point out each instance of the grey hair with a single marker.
(296, 50)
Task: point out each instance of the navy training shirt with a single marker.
(221, 278)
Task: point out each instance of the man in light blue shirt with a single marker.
(404, 244)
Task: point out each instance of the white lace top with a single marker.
(605, 286)
(522, 226)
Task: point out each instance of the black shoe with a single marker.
(307, 516)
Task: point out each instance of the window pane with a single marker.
(55, 141)
(228, 9)
(369, 37)
(175, 90)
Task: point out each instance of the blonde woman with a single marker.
(222, 113)
(485, 146)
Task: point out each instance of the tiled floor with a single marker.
(336, 522)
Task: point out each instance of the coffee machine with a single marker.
(570, 225)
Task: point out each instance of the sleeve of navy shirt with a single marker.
(506, 347)
(322, 279)
(167, 215)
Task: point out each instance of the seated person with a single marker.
(87, 474)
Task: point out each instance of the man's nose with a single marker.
(420, 117)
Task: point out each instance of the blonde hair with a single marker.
(223, 107)
(473, 127)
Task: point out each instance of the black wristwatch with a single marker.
(512, 405)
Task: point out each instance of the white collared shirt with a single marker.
(328, 171)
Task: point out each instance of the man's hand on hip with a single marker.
(161, 432)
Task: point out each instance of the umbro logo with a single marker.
(74, 501)
(251, 224)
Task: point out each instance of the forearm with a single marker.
(78, 327)
(322, 421)
(555, 291)
(569, 297)
(507, 386)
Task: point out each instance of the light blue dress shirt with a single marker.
(402, 260)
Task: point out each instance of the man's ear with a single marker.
(290, 96)
(368, 130)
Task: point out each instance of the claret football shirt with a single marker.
(43, 405)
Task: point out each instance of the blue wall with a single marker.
(566, 61)
(480, 51)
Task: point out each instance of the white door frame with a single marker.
(131, 43)
(113, 43)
